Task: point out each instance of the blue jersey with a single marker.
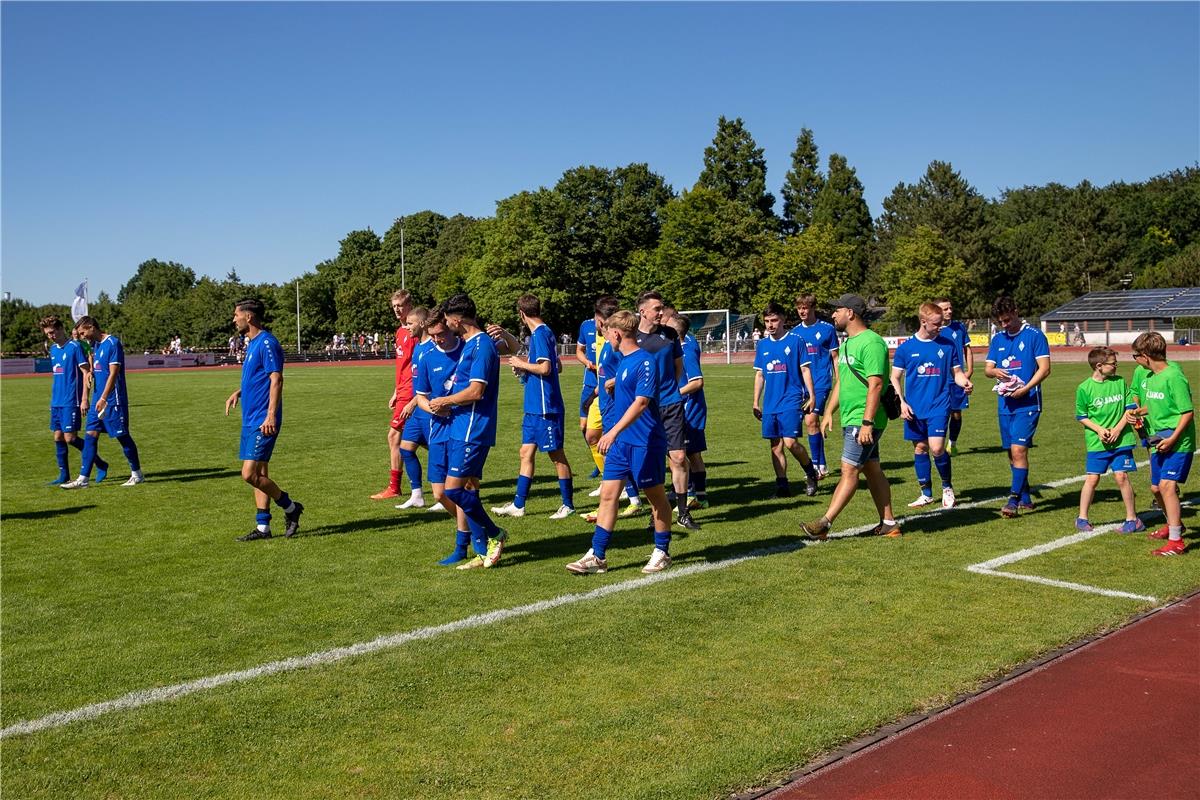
(435, 378)
(695, 410)
(67, 388)
(607, 369)
(475, 423)
(928, 366)
(543, 395)
(587, 338)
(663, 345)
(780, 361)
(105, 355)
(637, 376)
(820, 345)
(419, 352)
(956, 332)
(1018, 353)
(263, 356)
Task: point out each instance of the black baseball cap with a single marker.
(851, 301)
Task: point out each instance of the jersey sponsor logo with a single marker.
(929, 370)
(1100, 402)
(776, 366)
(1011, 362)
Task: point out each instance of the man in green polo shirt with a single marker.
(862, 375)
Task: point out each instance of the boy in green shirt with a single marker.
(1100, 405)
(1170, 419)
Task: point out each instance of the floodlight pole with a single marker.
(402, 257)
(297, 316)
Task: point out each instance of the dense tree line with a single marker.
(719, 244)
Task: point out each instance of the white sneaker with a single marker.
(947, 497)
(822, 471)
(594, 492)
(658, 562)
(417, 500)
(436, 507)
(134, 479)
(79, 483)
(922, 500)
(508, 510)
(588, 565)
(562, 513)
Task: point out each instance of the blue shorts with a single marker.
(415, 430)
(1018, 428)
(853, 452)
(255, 446)
(66, 419)
(645, 465)
(544, 430)
(694, 441)
(587, 395)
(820, 396)
(439, 461)
(465, 459)
(919, 430)
(1173, 466)
(1120, 460)
(115, 421)
(784, 425)
(959, 399)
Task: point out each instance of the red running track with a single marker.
(1116, 718)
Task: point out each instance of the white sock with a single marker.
(1175, 532)
(265, 528)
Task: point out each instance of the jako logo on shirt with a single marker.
(1156, 395)
(1100, 402)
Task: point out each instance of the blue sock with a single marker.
(469, 503)
(1025, 496)
(816, 447)
(954, 428)
(262, 517)
(566, 488)
(462, 540)
(412, 468)
(924, 472)
(60, 453)
(942, 463)
(284, 502)
(89, 455)
(1019, 478)
(523, 484)
(662, 541)
(600, 540)
(630, 489)
(131, 453)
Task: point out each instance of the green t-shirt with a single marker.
(1137, 386)
(1168, 396)
(1104, 403)
(868, 354)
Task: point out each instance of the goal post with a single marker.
(719, 329)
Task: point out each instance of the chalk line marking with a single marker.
(162, 694)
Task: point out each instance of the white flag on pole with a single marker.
(79, 306)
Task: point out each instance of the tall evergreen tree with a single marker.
(802, 185)
(735, 168)
(840, 204)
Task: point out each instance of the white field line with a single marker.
(145, 697)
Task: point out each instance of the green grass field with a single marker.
(684, 688)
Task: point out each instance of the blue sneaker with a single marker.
(1082, 524)
(595, 473)
(101, 470)
(1134, 525)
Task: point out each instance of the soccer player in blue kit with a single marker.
(109, 407)
(472, 406)
(783, 380)
(956, 332)
(67, 396)
(635, 445)
(928, 364)
(1021, 352)
(821, 345)
(542, 428)
(695, 413)
(261, 396)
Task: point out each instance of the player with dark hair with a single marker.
(416, 419)
(821, 345)
(957, 333)
(68, 398)
(261, 396)
(695, 412)
(783, 381)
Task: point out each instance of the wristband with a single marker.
(867, 423)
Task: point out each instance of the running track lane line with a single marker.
(162, 694)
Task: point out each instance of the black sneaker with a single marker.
(254, 535)
(810, 486)
(686, 521)
(292, 521)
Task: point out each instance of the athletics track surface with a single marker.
(1118, 717)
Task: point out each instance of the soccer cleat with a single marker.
(633, 509)
(386, 494)
(292, 521)
(474, 563)
(948, 499)
(1133, 526)
(588, 565)
(254, 535)
(1162, 533)
(685, 521)
(922, 500)
(1025, 506)
(434, 507)
(101, 470)
(890, 530)
(697, 503)
(658, 562)
(134, 479)
(454, 558)
(495, 548)
(952, 448)
(414, 501)
(589, 516)
(781, 491)
(1010, 508)
(810, 486)
(1082, 524)
(508, 510)
(817, 529)
(594, 492)
(79, 483)
(1173, 547)
(563, 512)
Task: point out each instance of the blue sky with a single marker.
(255, 136)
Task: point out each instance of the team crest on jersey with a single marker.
(1021, 346)
(787, 351)
(941, 353)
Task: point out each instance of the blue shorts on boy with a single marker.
(544, 431)
(1018, 428)
(1101, 461)
(782, 425)
(439, 461)
(920, 430)
(646, 465)
(66, 419)
(254, 445)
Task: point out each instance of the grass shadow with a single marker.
(46, 513)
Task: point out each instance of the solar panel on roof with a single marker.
(1140, 303)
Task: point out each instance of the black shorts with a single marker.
(675, 426)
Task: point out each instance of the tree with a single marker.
(1180, 269)
(922, 267)
(811, 261)
(735, 168)
(421, 233)
(840, 204)
(802, 185)
(159, 279)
